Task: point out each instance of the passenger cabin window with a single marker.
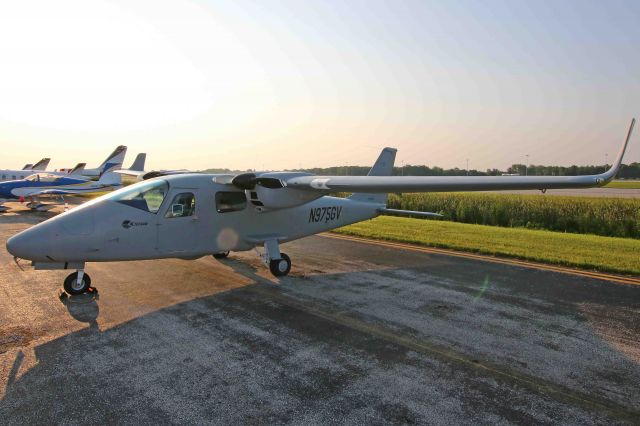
(182, 205)
(147, 196)
(230, 201)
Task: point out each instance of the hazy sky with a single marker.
(260, 84)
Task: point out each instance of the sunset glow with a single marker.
(200, 84)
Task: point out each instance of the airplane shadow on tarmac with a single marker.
(269, 353)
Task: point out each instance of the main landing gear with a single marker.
(78, 283)
(279, 263)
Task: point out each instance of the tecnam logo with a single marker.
(128, 224)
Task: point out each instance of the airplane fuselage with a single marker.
(6, 175)
(106, 229)
(23, 188)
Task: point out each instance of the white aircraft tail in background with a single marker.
(41, 165)
(114, 160)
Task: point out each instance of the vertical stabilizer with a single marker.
(41, 165)
(382, 167)
(78, 169)
(115, 159)
(138, 163)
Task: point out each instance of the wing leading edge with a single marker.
(384, 184)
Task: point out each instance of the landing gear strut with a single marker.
(279, 263)
(77, 283)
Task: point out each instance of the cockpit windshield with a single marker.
(147, 196)
(43, 177)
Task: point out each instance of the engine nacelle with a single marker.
(269, 191)
(279, 198)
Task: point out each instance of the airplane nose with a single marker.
(24, 245)
(69, 236)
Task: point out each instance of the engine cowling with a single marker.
(269, 191)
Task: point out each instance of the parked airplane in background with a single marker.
(25, 171)
(193, 215)
(137, 170)
(40, 165)
(113, 162)
(51, 185)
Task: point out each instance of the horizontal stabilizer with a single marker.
(396, 212)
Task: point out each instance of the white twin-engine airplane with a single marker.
(193, 215)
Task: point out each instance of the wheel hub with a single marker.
(77, 284)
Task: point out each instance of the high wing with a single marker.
(388, 184)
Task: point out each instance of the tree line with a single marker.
(628, 171)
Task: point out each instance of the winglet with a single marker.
(615, 167)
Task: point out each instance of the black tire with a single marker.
(280, 267)
(72, 287)
(221, 255)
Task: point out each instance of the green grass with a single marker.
(624, 184)
(584, 251)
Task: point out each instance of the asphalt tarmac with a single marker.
(357, 334)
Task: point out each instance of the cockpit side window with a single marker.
(183, 205)
(147, 196)
(230, 201)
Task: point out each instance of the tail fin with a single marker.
(27, 167)
(138, 163)
(108, 177)
(116, 158)
(41, 165)
(78, 169)
(382, 167)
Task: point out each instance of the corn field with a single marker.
(614, 217)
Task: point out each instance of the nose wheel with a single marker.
(280, 267)
(279, 263)
(77, 283)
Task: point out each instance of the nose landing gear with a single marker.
(279, 263)
(78, 283)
